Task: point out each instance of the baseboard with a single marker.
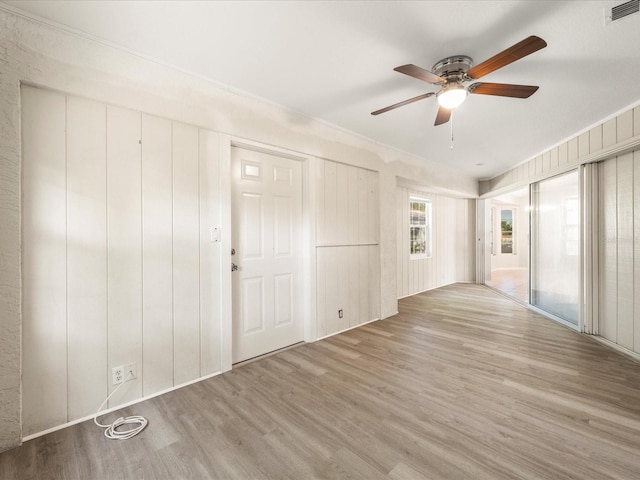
(433, 288)
(347, 329)
(119, 407)
(625, 351)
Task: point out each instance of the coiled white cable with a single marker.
(112, 431)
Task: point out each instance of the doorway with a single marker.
(509, 219)
(267, 284)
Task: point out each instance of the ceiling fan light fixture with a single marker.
(452, 96)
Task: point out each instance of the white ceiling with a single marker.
(334, 61)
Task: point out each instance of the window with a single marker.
(420, 227)
(506, 231)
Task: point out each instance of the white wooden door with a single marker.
(267, 250)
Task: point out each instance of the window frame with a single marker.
(513, 231)
(426, 226)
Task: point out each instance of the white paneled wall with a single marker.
(347, 253)
(453, 244)
(118, 263)
(619, 286)
(592, 145)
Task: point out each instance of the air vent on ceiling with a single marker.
(622, 10)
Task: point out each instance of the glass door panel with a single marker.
(555, 252)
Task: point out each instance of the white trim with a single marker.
(567, 139)
(349, 328)
(308, 234)
(615, 150)
(119, 407)
(429, 289)
(308, 248)
(619, 348)
(553, 317)
(226, 325)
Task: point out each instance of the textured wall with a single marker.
(38, 54)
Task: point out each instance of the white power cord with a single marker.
(112, 431)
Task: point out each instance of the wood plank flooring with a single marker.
(461, 384)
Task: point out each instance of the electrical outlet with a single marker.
(124, 373)
(340, 314)
(130, 371)
(116, 375)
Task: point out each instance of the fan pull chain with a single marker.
(451, 122)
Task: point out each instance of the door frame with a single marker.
(308, 236)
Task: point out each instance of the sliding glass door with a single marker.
(555, 246)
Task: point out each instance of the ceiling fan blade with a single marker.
(402, 104)
(419, 73)
(503, 89)
(510, 55)
(442, 116)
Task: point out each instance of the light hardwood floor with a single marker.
(512, 281)
(462, 383)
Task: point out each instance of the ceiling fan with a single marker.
(452, 73)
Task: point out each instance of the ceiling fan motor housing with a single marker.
(453, 69)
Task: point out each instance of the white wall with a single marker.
(619, 243)
(519, 259)
(38, 54)
(347, 247)
(118, 266)
(453, 243)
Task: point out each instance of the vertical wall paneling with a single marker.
(374, 281)
(321, 292)
(595, 139)
(321, 238)
(210, 297)
(342, 211)
(186, 254)
(572, 150)
(352, 205)
(460, 243)
(86, 255)
(353, 305)
(344, 287)
(453, 244)
(44, 264)
(364, 289)
(124, 240)
(331, 289)
(363, 204)
(554, 159)
(563, 154)
(546, 161)
(601, 142)
(330, 203)
(636, 249)
(624, 126)
(608, 252)
(347, 261)
(119, 263)
(583, 144)
(400, 267)
(624, 211)
(373, 208)
(157, 270)
(619, 262)
(609, 132)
